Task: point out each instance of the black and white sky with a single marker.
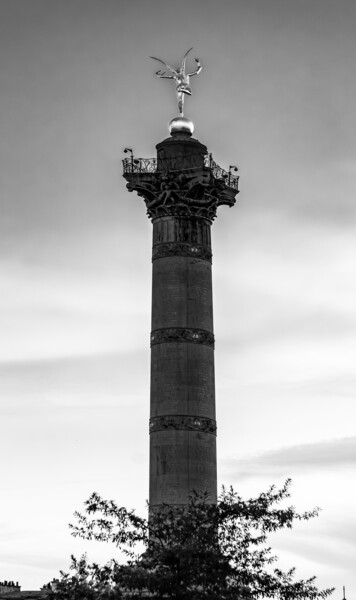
(276, 97)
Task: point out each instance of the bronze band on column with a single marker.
(182, 334)
(185, 422)
(168, 249)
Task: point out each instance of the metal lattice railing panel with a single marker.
(140, 165)
(149, 165)
(220, 173)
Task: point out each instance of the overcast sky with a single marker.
(276, 97)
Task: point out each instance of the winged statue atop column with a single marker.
(181, 78)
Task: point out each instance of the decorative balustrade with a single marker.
(220, 173)
(140, 165)
(149, 165)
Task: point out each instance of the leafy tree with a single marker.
(194, 552)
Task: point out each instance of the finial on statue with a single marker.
(180, 124)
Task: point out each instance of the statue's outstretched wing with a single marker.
(184, 59)
(166, 65)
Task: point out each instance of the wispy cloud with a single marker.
(305, 458)
(78, 382)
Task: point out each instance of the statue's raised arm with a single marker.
(181, 78)
(197, 70)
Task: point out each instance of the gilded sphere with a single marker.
(181, 125)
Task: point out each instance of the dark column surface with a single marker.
(181, 198)
(183, 428)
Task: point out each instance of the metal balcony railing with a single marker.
(220, 173)
(149, 165)
(140, 165)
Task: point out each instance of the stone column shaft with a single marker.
(182, 424)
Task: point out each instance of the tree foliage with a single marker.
(193, 552)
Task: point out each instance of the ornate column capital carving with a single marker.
(194, 192)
